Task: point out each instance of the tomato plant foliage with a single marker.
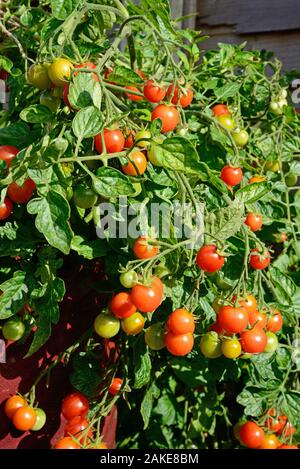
(186, 401)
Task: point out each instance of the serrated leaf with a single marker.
(36, 114)
(87, 123)
(252, 400)
(89, 249)
(226, 222)
(13, 296)
(17, 134)
(227, 91)
(142, 364)
(85, 376)
(125, 76)
(285, 286)
(147, 403)
(110, 182)
(253, 192)
(84, 91)
(63, 8)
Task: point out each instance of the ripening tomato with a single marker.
(154, 336)
(21, 194)
(257, 178)
(136, 165)
(121, 305)
(179, 344)
(251, 435)
(254, 340)
(131, 96)
(231, 348)
(66, 443)
(220, 109)
(272, 342)
(89, 65)
(39, 421)
(231, 175)
(147, 298)
(153, 92)
(143, 250)
(181, 321)
(114, 141)
(106, 325)
(208, 258)
(249, 303)
(226, 121)
(129, 279)
(184, 96)
(270, 442)
(115, 386)
(272, 423)
(8, 153)
(74, 404)
(139, 138)
(286, 428)
(275, 321)
(241, 137)
(12, 404)
(259, 261)
(60, 71)
(233, 319)
(168, 115)
(6, 208)
(282, 237)
(24, 418)
(257, 318)
(38, 76)
(134, 324)
(129, 139)
(210, 345)
(254, 221)
(77, 425)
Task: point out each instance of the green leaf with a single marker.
(36, 114)
(5, 63)
(147, 403)
(252, 399)
(17, 134)
(125, 76)
(53, 213)
(63, 8)
(84, 91)
(253, 192)
(85, 376)
(226, 222)
(142, 364)
(219, 135)
(110, 182)
(227, 91)
(89, 249)
(87, 123)
(166, 408)
(291, 406)
(14, 294)
(285, 287)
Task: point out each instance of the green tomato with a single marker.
(153, 153)
(48, 100)
(38, 76)
(13, 329)
(272, 166)
(210, 345)
(240, 137)
(143, 134)
(283, 94)
(217, 304)
(69, 193)
(226, 121)
(291, 179)
(221, 282)
(129, 279)
(106, 325)
(40, 420)
(272, 342)
(154, 336)
(84, 197)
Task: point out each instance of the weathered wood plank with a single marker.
(251, 16)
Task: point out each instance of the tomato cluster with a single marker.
(23, 416)
(241, 329)
(180, 327)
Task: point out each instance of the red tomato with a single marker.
(215, 327)
(181, 321)
(231, 175)
(143, 250)
(275, 321)
(179, 344)
(24, 418)
(287, 447)
(257, 318)
(185, 97)
(129, 139)
(6, 208)
(13, 404)
(8, 153)
(122, 306)
(66, 95)
(208, 258)
(115, 386)
(251, 435)
(21, 194)
(220, 109)
(270, 442)
(137, 164)
(254, 221)
(74, 404)
(168, 115)
(259, 261)
(114, 141)
(66, 443)
(133, 97)
(254, 340)
(286, 428)
(233, 319)
(77, 425)
(89, 65)
(147, 298)
(154, 93)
